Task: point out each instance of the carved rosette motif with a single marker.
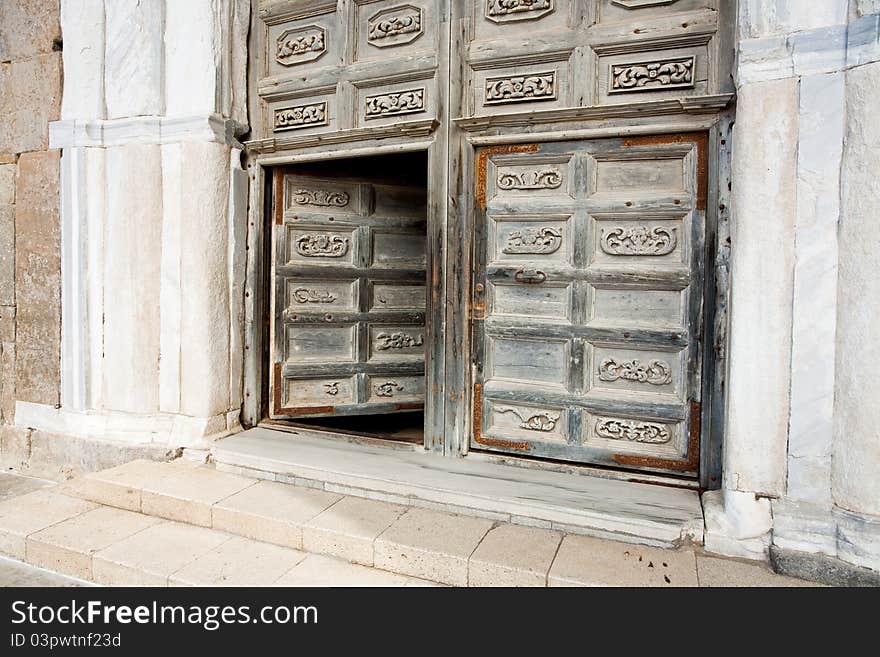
(385, 341)
(305, 295)
(651, 76)
(520, 88)
(533, 241)
(508, 11)
(322, 246)
(320, 197)
(331, 389)
(301, 45)
(632, 430)
(395, 26)
(391, 104)
(656, 372)
(545, 421)
(387, 389)
(301, 116)
(638, 241)
(546, 178)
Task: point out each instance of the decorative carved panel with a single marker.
(656, 372)
(536, 422)
(305, 295)
(304, 44)
(632, 430)
(395, 26)
(507, 11)
(320, 197)
(638, 241)
(332, 389)
(318, 245)
(520, 88)
(545, 178)
(677, 73)
(387, 389)
(533, 241)
(301, 116)
(386, 341)
(393, 103)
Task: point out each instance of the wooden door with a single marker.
(348, 297)
(587, 301)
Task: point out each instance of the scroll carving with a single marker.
(395, 26)
(320, 197)
(332, 389)
(398, 341)
(398, 102)
(547, 178)
(639, 432)
(657, 241)
(305, 295)
(656, 372)
(506, 11)
(302, 45)
(544, 421)
(649, 76)
(322, 246)
(533, 240)
(301, 116)
(387, 389)
(520, 88)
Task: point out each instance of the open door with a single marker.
(348, 296)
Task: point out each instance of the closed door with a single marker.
(587, 301)
(348, 297)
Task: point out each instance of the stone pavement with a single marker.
(184, 524)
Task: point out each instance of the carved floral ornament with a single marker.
(541, 178)
(520, 88)
(319, 245)
(301, 116)
(395, 26)
(305, 295)
(320, 197)
(638, 241)
(632, 430)
(385, 341)
(387, 389)
(301, 45)
(398, 102)
(655, 372)
(508, 11)
(675, 73)
(544, 421)
(541, 240)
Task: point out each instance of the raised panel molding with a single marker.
(395, 26)
(520, 88)
(393, 103)
(305, 44)
(300, 116)
(675, 73)
(508, 11)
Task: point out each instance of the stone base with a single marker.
(821, 568)
(737, 524)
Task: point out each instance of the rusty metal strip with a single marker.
(482, 161)
(691, 464)
(278, 409)
(478, 423)
(701, 139)
(278, 201)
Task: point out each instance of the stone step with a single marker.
(633, 511)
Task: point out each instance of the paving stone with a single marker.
(239, 562)
(320, 570)
(186, 492)
(510, 555)
(348, 528)
(587, 561)
(16, 573)
(271, 512)
(24, 515)
(68, 546)
(120, 486)
(150, 557)
(432, 545)
(712, 572)
(14, 485)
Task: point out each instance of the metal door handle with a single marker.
(530, 276)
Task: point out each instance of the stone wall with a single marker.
(30, 229)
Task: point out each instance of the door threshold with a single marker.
(622, 510)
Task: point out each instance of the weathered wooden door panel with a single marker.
(348, 299)
(587, 301)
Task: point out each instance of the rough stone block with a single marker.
(38, 278)
(31, 98)
(30, 27)
(587, 561)
(430, 544)
(15, 446)
(7, 257)
(511, 555)
(7, 184)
